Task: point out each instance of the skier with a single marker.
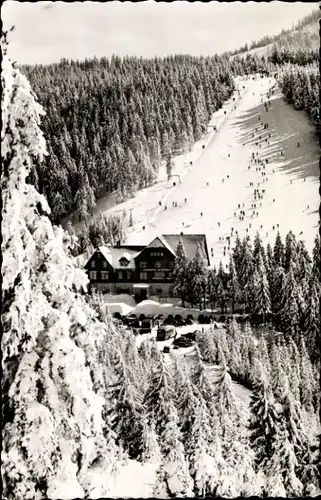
(165, 207)
(229, 155)
(223, 181)
(228, 176)
(185, 200)
(143, 228)
(207, 184)
(191, 163)
(273, 227)
(160, 203)
(298, 144)
(201, 214)
(219, 225)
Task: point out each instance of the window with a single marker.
(92, 264)
(120, 275)
(104, 264)
(157, 254)
(129, 275)
(169, 276)
(104, 275)
(171, 264)
(159, 275)
(143, 265)
(143, 276)
(123, 262)
(93, 275)
(159, 291)
(158, 264)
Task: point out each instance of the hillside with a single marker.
(304, 35)
(292, 179)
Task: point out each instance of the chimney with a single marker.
(118, 244)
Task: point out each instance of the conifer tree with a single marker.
(278, 251)
(262, 293)
(290, 306)
(264, 417)
(173, 469)
(149, 448)
(199, 277)
(312, 323)
(316, 261)
(43, 309)
(233, 285)
(280, 471)
(124, 407)
(290, 255)
(180, 273)
(307, 379)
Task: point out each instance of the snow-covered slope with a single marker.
(218, 201)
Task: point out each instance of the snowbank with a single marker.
(153, 308)
(134, 480)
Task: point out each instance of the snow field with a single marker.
(218, 200)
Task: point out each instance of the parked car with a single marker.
(166, 348)
(201, 319)
(183, 341)
(146, 326)
(180, 322)
(189, 321)
(133, 323)
(142, 317)
(192, 335)
(169, 321)
(166, 332)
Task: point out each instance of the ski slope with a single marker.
(219, 179)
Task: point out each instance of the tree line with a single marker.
(110, 122)
(280, 285)
(301, 87)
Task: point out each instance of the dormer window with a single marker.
(123, 262)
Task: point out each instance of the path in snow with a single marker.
(291, 180)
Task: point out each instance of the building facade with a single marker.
(142, 271)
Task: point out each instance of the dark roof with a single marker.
(189, 242)
(130, 252)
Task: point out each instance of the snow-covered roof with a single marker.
(114, 254)
(158, 242)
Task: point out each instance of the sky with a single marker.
(48, 31)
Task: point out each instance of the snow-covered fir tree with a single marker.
(180, 276)
(54, 435)
(264, 417)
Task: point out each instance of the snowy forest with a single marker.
(110, 123)
(301, 87)
(279, 286)
(80, 397)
